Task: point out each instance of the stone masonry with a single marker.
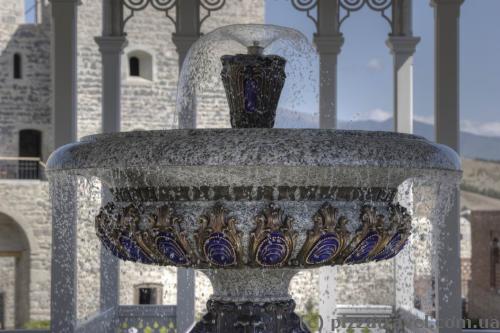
(484, 288)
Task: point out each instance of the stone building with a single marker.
(484, 286)
(150, 70)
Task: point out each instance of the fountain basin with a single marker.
(257, 198)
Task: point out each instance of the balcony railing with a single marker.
(126, 319)
(21, 168)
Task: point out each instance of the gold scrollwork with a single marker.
(368, 238)
(165, 240)
(218, 240)
(396, 237)
(326, 240)
(273, 240)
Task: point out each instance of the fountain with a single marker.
(252, 205)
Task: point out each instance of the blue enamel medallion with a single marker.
(326, 248)
(167, 244)
(251, 90)
(219, 250)
(363, 249)
(134, 252)
(111, 247)
(273, 250)
(395, 245)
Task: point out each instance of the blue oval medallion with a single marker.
(167, 244)
(326, 248)
(273, 250)
(219, 250)
(134, 252)
(106, 242)
(363, 249)
(251, 91)
(395, 245)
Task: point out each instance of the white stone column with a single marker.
(402, 44)
(447, 125)
(64, 208)
(64, 21)
(111, 45)
(328, 47)
(327, 295)
(186, 33)
(402, 49)
(111, 48)
(328, 41)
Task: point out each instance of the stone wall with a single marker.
(7, 272)
(24, 102)
(484, 298)
(27, 203)
(371, 283)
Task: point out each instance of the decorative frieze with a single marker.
(158, 236)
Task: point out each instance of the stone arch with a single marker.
(14, 243)
(24, 225)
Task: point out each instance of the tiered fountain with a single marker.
(252, 205)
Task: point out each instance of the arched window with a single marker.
(495, 264)
(17, 69)
(148, 293)
(140, 65)
(134, 66)
(30, 146)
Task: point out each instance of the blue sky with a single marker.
(29, 10)
(365, 64)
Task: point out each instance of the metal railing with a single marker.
(147, 318)
(21, 168)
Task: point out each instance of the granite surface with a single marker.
(246, 157)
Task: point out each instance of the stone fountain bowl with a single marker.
(253, 198)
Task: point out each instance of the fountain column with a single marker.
(447, 124)
(111, 45)
(64, 208)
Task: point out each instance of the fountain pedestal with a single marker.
(250, 300)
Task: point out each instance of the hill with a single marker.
(472, 146)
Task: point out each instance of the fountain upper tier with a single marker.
(254, 157)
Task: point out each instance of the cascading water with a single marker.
(251, 207)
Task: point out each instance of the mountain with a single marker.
(472, 146)
(481, 177)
